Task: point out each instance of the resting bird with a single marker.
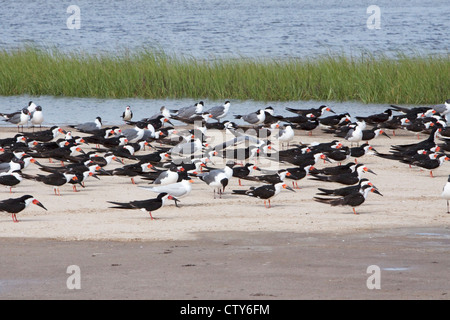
(145, 205)
(353, 199)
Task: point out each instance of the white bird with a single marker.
(355, 134)
(446, 193)
(178, 189)
(127, 115)
(286, 135)
(37, 117)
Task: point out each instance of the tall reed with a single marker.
(154, 74)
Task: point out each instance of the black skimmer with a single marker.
(240, 154)
(433, 162)
(272, 178)
(89, 127)
(10, 179)
(127, 115)
(378, 118)
(354, 199)
(362, 150)
(16, 205)
(219, 112)
(265, 192)
(344, 178)
(46, 135)
(65, 153)
(148, 206)
(446, 193)
(56, 179)
(242, 172)
(335, 120)
(133, 170)
(371, 134)
(316, 112)
(426, 144)
(336, 170)
(37, 117)
(154, 157)
(7, 142)
(19, 118)
(253, 118)
(341, 192)
(308, 126)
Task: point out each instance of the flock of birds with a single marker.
(181, 154)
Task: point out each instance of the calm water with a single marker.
(63, 111)
(216, 29)
(212, 28)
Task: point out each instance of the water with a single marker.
(217, 29)
(213, 28)
(68, 110)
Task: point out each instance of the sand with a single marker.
(411, 198)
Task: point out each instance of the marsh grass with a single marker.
(153, 74)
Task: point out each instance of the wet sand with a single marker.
(413, 264)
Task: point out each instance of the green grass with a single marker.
(153, 74)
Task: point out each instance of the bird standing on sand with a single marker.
(353, 199)
(16, 205)
(265, 192)
(145, 205)
(446, 193)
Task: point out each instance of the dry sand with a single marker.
(411, 199)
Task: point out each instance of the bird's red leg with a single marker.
(132, 181)
(354, 211)
(431, 174)
(265, 204)
(269, 203)
(240, 183)
(151, 217)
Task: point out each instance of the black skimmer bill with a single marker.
(16, 205)
(353, 199)
(446, 193)
(127, 115)
(148, 206)
(265, 192)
